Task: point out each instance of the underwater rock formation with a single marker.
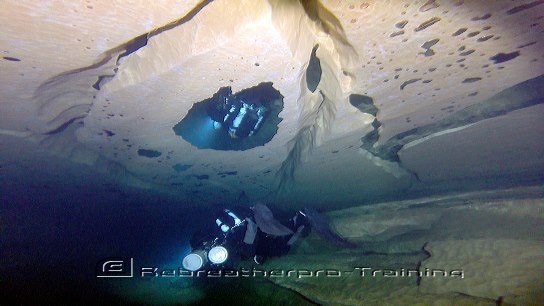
(380, 101)
(466, 248)
(359, 82)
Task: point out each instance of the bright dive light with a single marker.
(193, 261)
(217, 125)
(218, 255)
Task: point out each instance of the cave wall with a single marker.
(98, 83)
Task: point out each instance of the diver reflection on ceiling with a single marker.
(230, 121)
(240, 118)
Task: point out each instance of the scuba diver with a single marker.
(243, 233)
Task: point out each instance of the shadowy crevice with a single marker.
(522, 95)
(313, 72)
(363, 103)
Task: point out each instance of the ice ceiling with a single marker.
(377, 95)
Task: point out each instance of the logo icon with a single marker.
(115, 267)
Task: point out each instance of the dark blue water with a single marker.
(57, 222)
(60, 220)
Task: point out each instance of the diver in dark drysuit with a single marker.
(243, 233)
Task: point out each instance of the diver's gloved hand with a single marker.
(301, 219)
